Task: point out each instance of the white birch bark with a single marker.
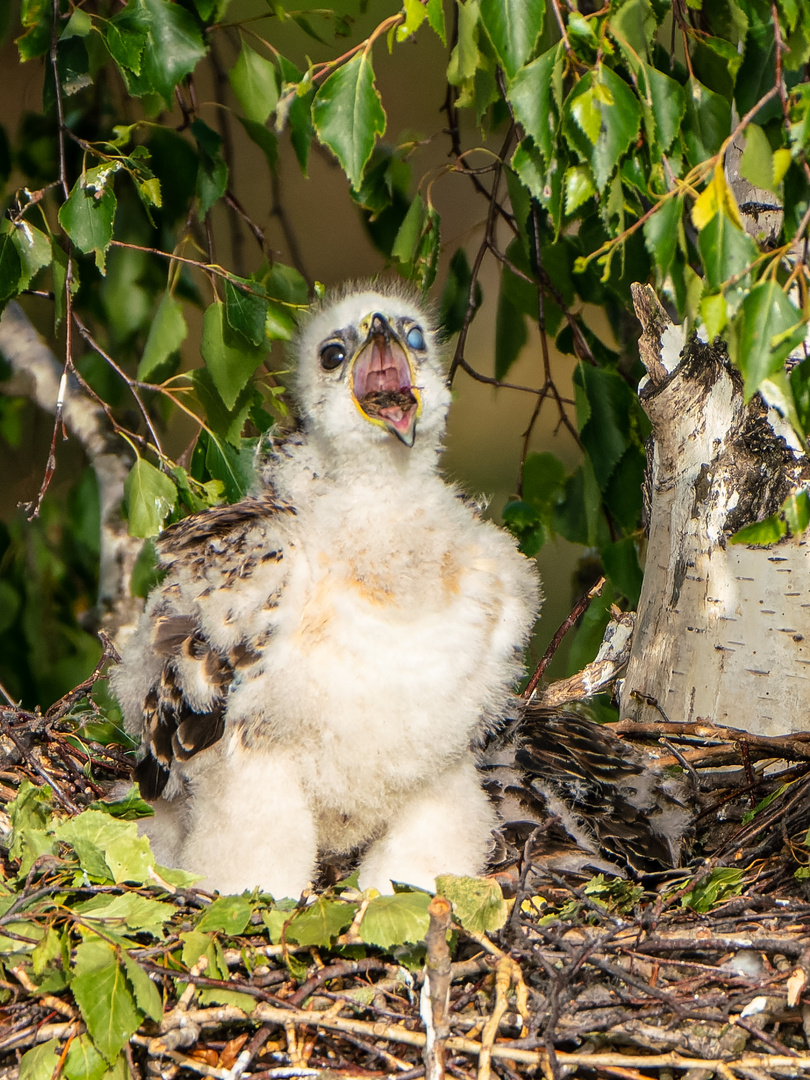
(723, 631)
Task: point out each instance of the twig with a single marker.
(434, 1002)
(577, 611)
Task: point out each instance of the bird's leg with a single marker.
(250, 824)
(443, 827)
(165, 830)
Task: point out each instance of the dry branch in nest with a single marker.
(697, 973)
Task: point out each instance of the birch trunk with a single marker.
(723, 630)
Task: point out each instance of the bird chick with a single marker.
(320, 662)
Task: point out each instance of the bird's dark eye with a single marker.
(332, 356)
(415, 338)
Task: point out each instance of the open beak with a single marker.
(383, 381)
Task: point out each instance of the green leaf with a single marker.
(456, 294)
(255, 84)
(11, 270)
(796, 509)
(126, 40)
(407, 239)
(232, 466)
(725, 249)
(513, 27)
(150, 497)
(763, 804)
(321, 922)
(634, 27)
(40, 1062)
(107, 847)
(295, 106)
(415, 15)
(761, 533)
(147, 995)
(435, 14)
(87, 215)
(800, 388)
(212, 172)
(83, 1061)
(620, 560)
(707, 122)
(130, 911)
(394, 920)
(579, 187)
(464, 58)
(510, 333)
(34, 248)
(720, 885)
(104, 997)
(756, 163)
(223, 422)
(172, 49)
(478, 903)
(245, 310)
(348, 115)
(663, 104)
(230, 359)
(228, 914)
(530, 96)
(604, 405)
(764, 332)
(601, 121)
(167, 333)
(714, 312)
(661, 234)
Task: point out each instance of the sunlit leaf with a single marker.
(87, 215)
(478, 903)
(602, 118)
(348, 115)
(395, 920)
(321, 922)
(230, 914)
(103, 994)
(463, 62)
(150, 497)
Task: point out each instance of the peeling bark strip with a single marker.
(723, 631)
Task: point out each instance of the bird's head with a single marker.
(369, 369)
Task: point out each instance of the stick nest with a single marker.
(699, 972)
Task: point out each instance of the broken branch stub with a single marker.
(723, 630)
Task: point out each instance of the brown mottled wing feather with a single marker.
(616, 790)
(172, 728)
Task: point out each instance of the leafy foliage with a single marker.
(82, 910)
(613, 167)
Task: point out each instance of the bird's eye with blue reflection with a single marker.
(332, 356)
(415, 338)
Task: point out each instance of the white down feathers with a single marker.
(368, 628)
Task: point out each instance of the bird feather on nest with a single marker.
(321, 661)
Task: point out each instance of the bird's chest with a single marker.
(387, 619)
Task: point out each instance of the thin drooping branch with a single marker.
(36, 374)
